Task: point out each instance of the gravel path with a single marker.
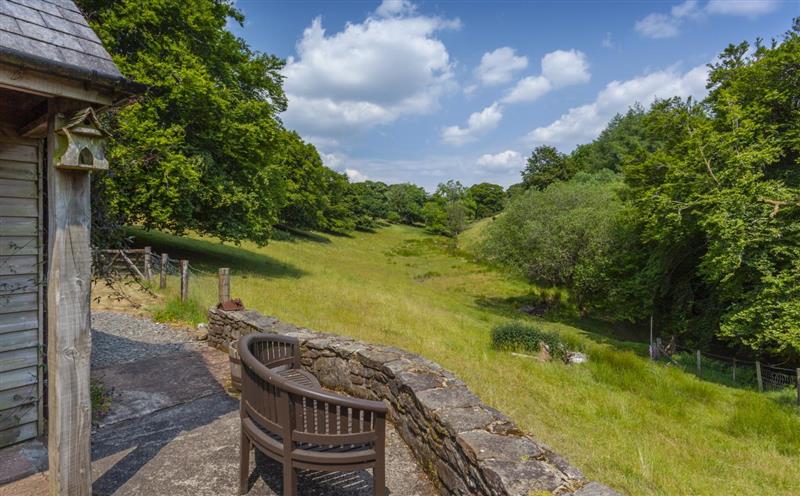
(121, 338)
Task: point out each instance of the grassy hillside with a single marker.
(640, 427)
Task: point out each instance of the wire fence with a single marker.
(146, 267)
(729, 370)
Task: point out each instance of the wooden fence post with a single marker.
(734, 370)
(758, 376)
(184, 281)
(224, 285)
(798, 386)
(148, 263)
(164, 260)
(699, 356)
(658, 348)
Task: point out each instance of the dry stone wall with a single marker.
(466, 446)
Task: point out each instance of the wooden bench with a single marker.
(288, 417)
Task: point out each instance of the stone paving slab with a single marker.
(145, 386)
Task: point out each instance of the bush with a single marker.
(518, 335)
(174, 310)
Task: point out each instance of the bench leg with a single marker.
(244, 465)
(289, 479)
(379, 478)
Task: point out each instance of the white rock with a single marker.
(577, 357)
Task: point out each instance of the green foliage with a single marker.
(405, 202)
(305, 187)
(717, 202)
(545, 166)
(705, 232)
(200, 150)
(174, 310)
(518, 335)
(101, 398)
(369, 203)
(574, 234)
(622, 138)
(449, 210)
(489, 199)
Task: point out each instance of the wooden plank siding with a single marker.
(21, 261)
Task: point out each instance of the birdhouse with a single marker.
(80, 142)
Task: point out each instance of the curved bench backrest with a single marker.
(296, 413)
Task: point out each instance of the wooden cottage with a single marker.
(55, 76)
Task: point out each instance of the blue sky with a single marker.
(433, 90)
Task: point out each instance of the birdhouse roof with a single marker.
(84, 117)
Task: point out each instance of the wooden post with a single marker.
(758, 376)
(798, 386)
(184, 281)
(734, 370)
(162, 283)
(224, 285)
(699, 356)
(653, 352)
(658, 348)
(68, 325)
(148, 264)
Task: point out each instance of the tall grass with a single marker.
(639, 426)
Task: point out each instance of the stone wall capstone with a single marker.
(465, 446)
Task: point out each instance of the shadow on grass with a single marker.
(621, 336)
(210, 255)
(294, 235)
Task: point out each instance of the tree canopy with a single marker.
(703, 227)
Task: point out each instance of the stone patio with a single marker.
(174, 429)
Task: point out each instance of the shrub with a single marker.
(174, 310)
(517, 335)
(101, 400)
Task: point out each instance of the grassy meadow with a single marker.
(642, 428)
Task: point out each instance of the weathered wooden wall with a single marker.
(21, 260)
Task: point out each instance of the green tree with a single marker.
(405, 202)
(489, 199)
(719, 202)
(201, 149)
(337, 213)
(622, 138)
(576, 234)
(369, 203)
(304, 177)
(545, 166)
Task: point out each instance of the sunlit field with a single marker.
(642, 428)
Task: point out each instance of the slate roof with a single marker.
(53, 35)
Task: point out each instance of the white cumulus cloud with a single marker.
(668, 25)
(565, 67)
(479, 123)
(392, 8)
(369, 73)
(559, 68)
(355, 176)
(499, 66)
(528, 89)
(584, 123)
(658, 26)
(505, 160)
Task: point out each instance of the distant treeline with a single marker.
(688, 211)
(204, 148)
